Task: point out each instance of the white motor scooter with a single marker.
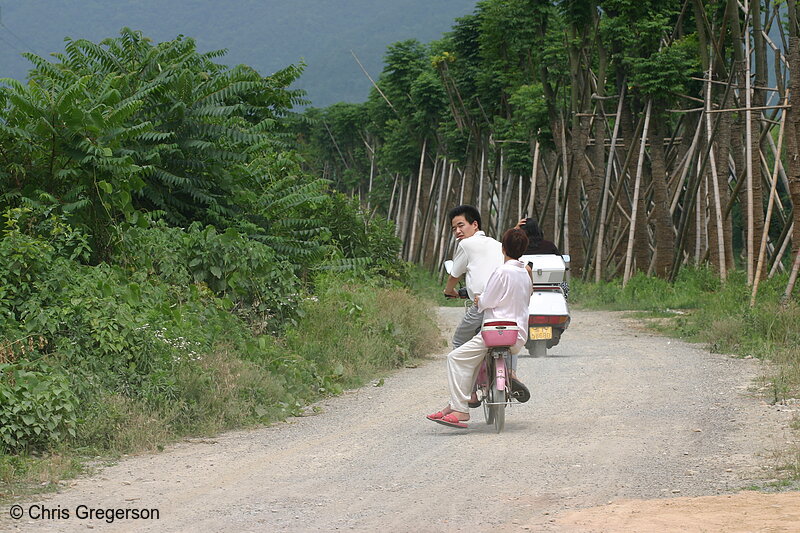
(548, 313)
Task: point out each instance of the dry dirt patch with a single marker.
(732, 513)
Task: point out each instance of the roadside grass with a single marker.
(347, 335)
(700, 308)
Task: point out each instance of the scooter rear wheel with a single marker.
(537, 348)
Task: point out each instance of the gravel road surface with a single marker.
(617, 413)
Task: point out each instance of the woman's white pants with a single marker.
(463, 365)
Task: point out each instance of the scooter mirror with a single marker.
(448, 266)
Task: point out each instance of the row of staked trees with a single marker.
(643, 135)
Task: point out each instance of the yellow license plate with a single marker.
(540, 334)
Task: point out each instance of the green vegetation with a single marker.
(166, 267)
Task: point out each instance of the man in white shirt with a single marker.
(476, 256)
(505, 297)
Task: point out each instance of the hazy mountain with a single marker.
(266, 34)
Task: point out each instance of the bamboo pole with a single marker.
(415, 213)
(371, 176)
(770, 204)
(715, 179)
(438, 214)
(534, 172)
(749, 150)
(686, 167)
(428, 214)
(635, 201)
(391, 198)
(698, 223)
(598, 268)
(373, 83)
(792, 278)
(480, 179)
(443, 217)
(461, 194)
(785, 239)
(565, 169)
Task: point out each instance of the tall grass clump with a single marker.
(354, 330)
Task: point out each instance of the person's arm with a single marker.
(450, 288)
(460, 261)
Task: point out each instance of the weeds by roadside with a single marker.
(348, 334)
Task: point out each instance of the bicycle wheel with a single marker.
(488, 412)
(498, 398)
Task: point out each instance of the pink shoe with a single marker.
(451, 420)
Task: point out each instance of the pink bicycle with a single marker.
(494, 378)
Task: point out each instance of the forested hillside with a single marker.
(267, 35)
(635, 131)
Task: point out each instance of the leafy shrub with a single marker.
(364, 241)
(37, 407)
(260, 287)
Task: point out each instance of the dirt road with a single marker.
(618, 415)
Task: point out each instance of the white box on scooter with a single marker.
(546, 269)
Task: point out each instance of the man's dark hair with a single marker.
(515, 241)
(470, 214)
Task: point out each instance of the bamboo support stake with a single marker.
(534, 172)
(635, 201)
(598, 264)
(391, 198)
(755, 108)
(371, 176)
(749, 151)
(480, 179)
(770, 204)
(416, 202)
(425, 223)
(698, 235)
(792, 278)
(785, 240)
(438, 215)
(461, 193)
(686, 167)
(443, 217)
(717, 203)
(561, 178)
(373, 83)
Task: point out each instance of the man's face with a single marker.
(463, 229)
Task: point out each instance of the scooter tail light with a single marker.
(547, 320)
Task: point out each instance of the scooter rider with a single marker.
(505, 297)
(476, 256)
